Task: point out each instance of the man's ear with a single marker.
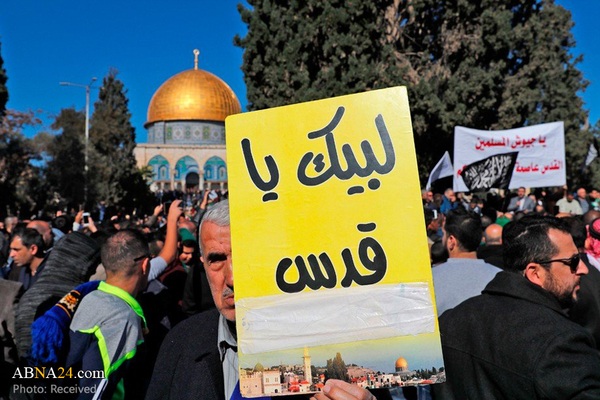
(451, 243)
(34, 250)
(146, 266)
(535, 274)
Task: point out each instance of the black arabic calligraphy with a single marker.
(326, 276)
(372, 164)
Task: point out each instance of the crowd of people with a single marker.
(145, 307)
(517, 286)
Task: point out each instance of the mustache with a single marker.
(227, 292)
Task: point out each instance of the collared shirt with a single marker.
(227, 345)
(521, 203)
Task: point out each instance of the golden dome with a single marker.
(193, 95)
(401, 363)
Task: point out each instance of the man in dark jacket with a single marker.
(27, 252)
(198, 359)
(515, 341)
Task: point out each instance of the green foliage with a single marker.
(19, 178)
(298, 51)
(427, 373)
(113, 174)
(3, 89)
(65, 168)
(481, 64)
(336, 368)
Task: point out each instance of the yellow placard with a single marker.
(325, 196)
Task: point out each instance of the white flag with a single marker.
(592, 154)
(441, 170)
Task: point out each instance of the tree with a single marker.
(336, 368)
(113, 174)
(305, 50)
(485, 64)
(64, 170)
(3, 89)
(18, 177)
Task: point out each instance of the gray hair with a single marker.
(218, 215)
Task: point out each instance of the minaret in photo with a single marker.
(307, 372)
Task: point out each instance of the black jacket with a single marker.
(491, 254)
(514, 342)
(188, 364)
(586, 311)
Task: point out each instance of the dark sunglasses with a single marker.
(572, 262)
(140, 258)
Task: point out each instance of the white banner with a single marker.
(541, 159)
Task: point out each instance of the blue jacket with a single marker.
(447, 205)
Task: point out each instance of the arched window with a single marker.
(215, 169)
(160, 168)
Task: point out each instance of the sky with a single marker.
(47, 42)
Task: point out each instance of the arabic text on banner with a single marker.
(541, 153)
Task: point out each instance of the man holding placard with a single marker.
(198, 358)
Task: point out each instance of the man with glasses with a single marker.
(108, 324)
(515, 340)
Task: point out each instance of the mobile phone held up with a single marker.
(86, 218)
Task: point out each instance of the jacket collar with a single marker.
(515, 285)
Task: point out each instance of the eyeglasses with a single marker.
(572, 262)
(140, 258)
